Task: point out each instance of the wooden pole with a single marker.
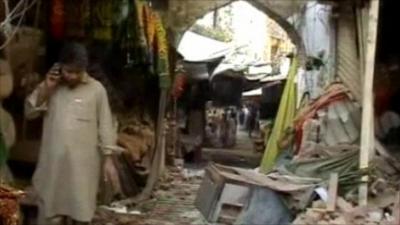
(161, 130)
(175, 128)
(367, 143)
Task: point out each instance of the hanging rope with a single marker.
(18, 12)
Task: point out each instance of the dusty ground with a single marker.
(172, 203)
(173, 200)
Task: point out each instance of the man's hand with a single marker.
(49, 85)
(111, 174)
(53, 77)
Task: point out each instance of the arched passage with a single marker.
(183, 14)
(226, 96)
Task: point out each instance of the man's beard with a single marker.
(72, 84)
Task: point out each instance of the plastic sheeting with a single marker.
(317, 30)
(345, 164)
(265, 207)
(322, 168)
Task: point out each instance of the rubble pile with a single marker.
(382, 208)
(328, 129)
(317, 175)
(171, 203)
(347, 214)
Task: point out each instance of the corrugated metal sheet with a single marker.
(348, 64)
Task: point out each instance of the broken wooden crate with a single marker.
(225, 196)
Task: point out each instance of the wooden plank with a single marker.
(367, 113)
(332, 192)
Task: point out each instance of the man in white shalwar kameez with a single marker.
(78, 138)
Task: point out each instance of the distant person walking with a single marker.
(252, 119)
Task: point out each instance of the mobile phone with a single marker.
(56, 69)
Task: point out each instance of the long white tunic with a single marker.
(77, 127)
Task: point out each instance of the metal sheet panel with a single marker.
(348, 63)
(207, 197)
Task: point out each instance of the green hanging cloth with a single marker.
(284, 119)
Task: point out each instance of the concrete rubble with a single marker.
(319, 183)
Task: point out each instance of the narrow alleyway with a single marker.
(242, 154)
(173, 200)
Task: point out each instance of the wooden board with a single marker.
(367, 143)
(332, 194)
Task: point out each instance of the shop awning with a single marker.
(256, 92)
(195, 47)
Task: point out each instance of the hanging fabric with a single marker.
(161, 62)
(78, 12)
(133, 41)
(157, 43)
(149, 22)
(284, 120)
(57, 19)
(141, 42)
(149, 30)
(102, 20)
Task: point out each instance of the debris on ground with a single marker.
(172, 203)
(319, 181)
